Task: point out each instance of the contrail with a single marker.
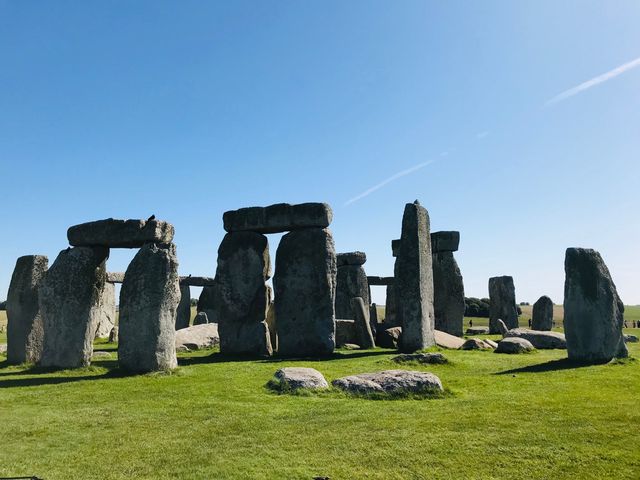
(389, 180)
(594, 81)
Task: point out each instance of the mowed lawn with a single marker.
(520, 417)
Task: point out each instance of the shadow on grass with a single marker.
(42, 379)
(553, 365)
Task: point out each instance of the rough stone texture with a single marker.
(414, 280)
(305, 289)
(391, 309)
(514, 345)
(593, 311)
(389, 381)
(113, 335)
(477, 331)
(542, 318)
(201, 318)
(345, 332)
(281, 217)
(445, 241)
(539, 339)
(448, 294)
(197, 336)
(206, 303)
(351, 281)
(631, 338)
(389, 338)
(364, 336)
(475, 344)
(148, 302)
(373, 318)
(242, 296)
(380, 281)
(183, 314)
(115, 277)
(70, 306)
(120, 233)
(106, 311)
(271, 322)
(25, 331)
(502, 295)
(435, 358)
(197, 281)
(446, 340)
(351, 258)
(295, 378)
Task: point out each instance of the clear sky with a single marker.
(517, 123)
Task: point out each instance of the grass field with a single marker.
(521, 417)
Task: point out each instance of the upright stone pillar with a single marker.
(106, 311)
(242, 296)
(70, 306)
(351, 281)
(148, 303)
(364, 336)
(502, 303)
(25, 331)
(414, 280)
(542, 315)
(448, 298)
(390, 308)
(207, 303)
(305, 288)
(183, 315)
(593, 311)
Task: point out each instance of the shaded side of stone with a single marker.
(305, 289)
(120, 233)
(183, 314)
(69, 298)
(542, 315)
(445, 241)
(281, 217)
(351, 282)
(502, 296)
(25, 331)
(148, 303)
(448, 298)
(364, 336)
(207, 303)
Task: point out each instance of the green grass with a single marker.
(519, 417)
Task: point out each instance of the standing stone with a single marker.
(148, 303)
(183, 315)
(364, 336)
(106, 311)
(305, 289)
(70, 306)
(542, 317)
(390, 308)
(200, 319)
(207, 303)
(502, 296)
(271, 320)
(242, 296)
(25, 332)
(373, 317)
(448, 295)
(351, 281)
(593, 311)
(414, 280)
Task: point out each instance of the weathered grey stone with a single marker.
(201, 318)
(628, 338)
(351, 258)
(477, 331)
(380, 281)
(593, 311)
(113, 335)
(305, 286)
(207, 303)
(25, 331)
(542, 318)
(490, 342)
(373, 318)
(448, 294)
(183, 314)
(445, 241)
(271, 321)
(242, 296)
(446, 340)
(390, 381)
(70, 306)
(414, 280)
(148, 303)
(345, 332)
(295, 378)
(106, 311)
(435, 358)
(281, 217)
(542, 340)
(197, 336)
(197, 281)
(364, 337)
(389, 338)
(514, 345)
(475, 344)
(120, 233)
(502, 295)
(351, 281)
(115, 277)
(391, 309)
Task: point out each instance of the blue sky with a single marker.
(187, 109)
